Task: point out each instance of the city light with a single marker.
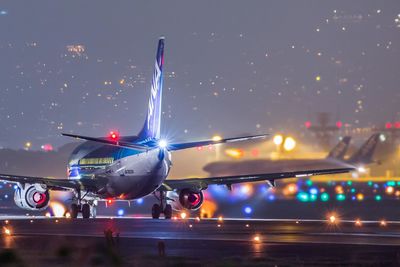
(278, 139)
(183, 215)
(216, 138)
(289, 144)
(358, 222)
(234, 153)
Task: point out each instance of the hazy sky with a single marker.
(231, 67)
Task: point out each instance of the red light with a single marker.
(388, 125)
(397, 124)
(113, 135)
(307, 124)
(199, 148)
(255, 152)
(47, 147)
(109, 201)
(339, 124)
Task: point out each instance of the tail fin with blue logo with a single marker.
(151, 127)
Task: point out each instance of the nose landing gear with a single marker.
(163, 207)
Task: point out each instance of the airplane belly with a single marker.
(136, 176)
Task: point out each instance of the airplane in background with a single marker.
(335, 158)
(131, 167)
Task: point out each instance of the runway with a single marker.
(213, 239)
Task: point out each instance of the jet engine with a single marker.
(185, 199)
(32, 196)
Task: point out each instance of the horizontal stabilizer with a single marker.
(108, 141)
(180, 146)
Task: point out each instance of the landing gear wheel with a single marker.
(168, 211)
(74, 211)
(86, 211)
(156, 211)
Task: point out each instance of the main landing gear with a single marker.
(163, 207)
(87, 208)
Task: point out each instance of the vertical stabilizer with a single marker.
(366, 152)
(151, 127)
(340, 149)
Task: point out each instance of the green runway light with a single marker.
(391, 183)
(398, 182)
(302, 196)
(378, 198)
(340, 197)
(313, 197)
(370, 183)
(324, 197)
(309, 183)
(353, 190)
(349, 182)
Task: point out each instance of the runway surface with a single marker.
(285, 241)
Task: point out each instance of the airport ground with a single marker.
(211, 242)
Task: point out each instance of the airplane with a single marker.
(335, 158)
(131, 167)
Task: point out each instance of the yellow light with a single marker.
(382, 223)
(333, 218)
(360, 197)
(47, 214)
(67, 215)
(278, 139)
(58, 209)
(28, 144)
(339, 189)
(122, 81)
(234, 153)
(6, 230)
(216, 138)
(318, 78)
(220, 219)
(358, 222)
(289, 144)
(389, 190)
(183, 215)
(257, 238)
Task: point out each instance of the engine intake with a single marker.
(185, 199)
(32, 197)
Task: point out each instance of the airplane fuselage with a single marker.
(120, 173)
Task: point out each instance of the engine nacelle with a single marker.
(32, 197)
(185, 199)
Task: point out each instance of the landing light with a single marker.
(162, 143)
(361, 170)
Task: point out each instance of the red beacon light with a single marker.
(339, 124)
(397, 125)
(113, 135)
(388, 125)
(307, 124)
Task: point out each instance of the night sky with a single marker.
(231, 67)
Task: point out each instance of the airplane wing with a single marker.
(53, 183)
(179, 146)
(203, 183)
